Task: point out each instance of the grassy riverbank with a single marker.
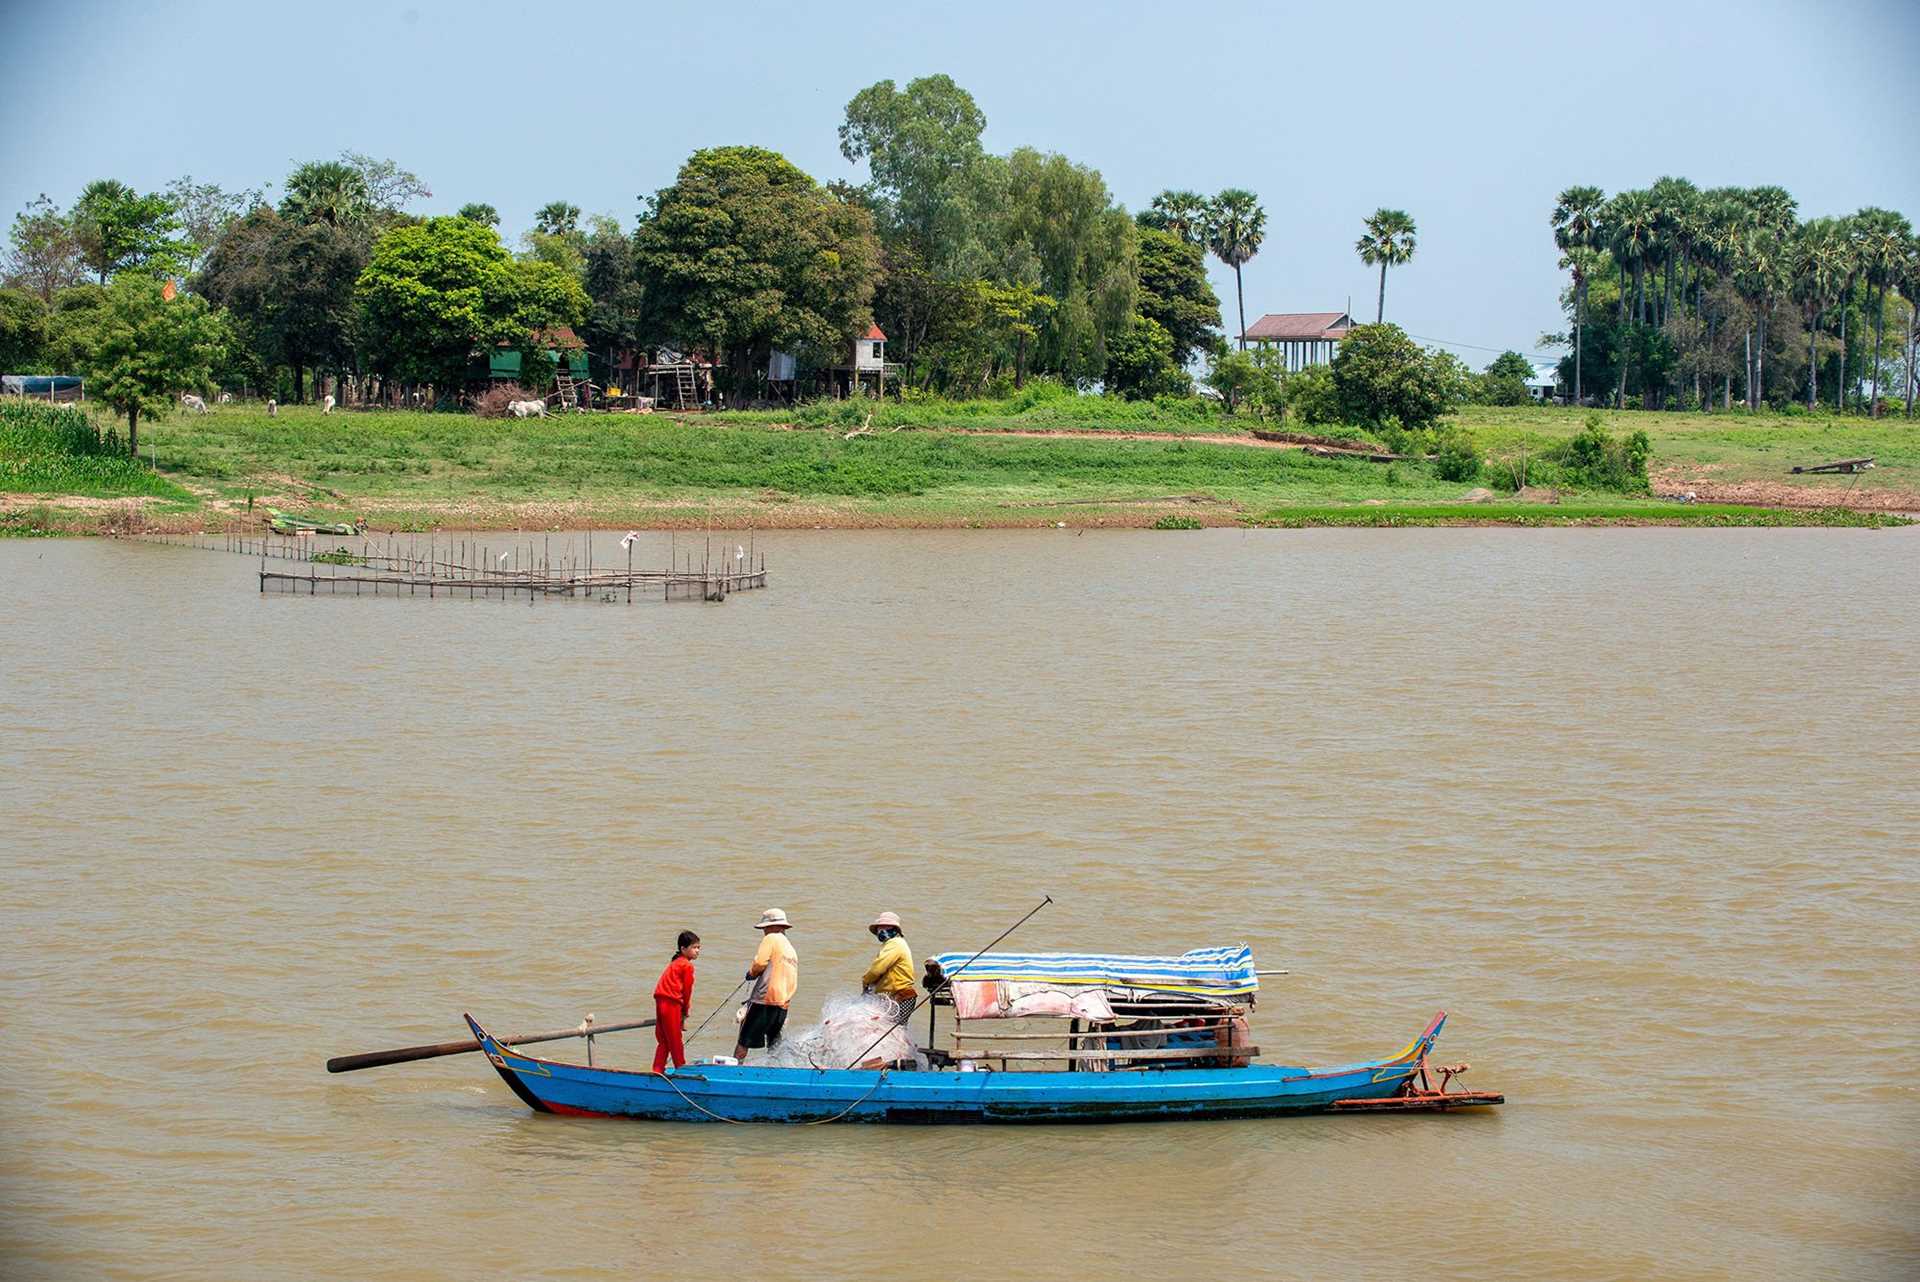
(997, 464)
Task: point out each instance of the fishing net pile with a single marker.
(850, 1025)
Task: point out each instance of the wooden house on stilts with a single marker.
(1307, 338)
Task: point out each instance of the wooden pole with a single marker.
(408, 1054)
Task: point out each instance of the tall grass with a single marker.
(49, 449)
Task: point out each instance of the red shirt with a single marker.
(676, 982)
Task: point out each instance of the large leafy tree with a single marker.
(615, 300)
(23, 331)
(1061, 231)
(746, 252)
(1236, 226)
(119, 230)
(1387, 242)
(390, 189)
(1019, 310)
(1380, 373)
(145, 349)
(290, 287)
(1175, 294)
(436, 291)
(46, 252)
(205, 211)
(1183, 213)
(1141, 364)
(922, 148)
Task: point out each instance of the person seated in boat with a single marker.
(891, 974)
(775, 974)
(671, 997)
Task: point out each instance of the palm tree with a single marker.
(1910, 289)
(1387, 243)
(1576, 231)
(327, 191)
(1235, 227)
(1674, 201)
(1629, 218)
(1760, 264)
(1184, 213)
(1818, 265)
(1880, 236)
(557, 218)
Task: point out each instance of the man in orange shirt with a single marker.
(775, 974)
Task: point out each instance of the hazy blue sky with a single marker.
(1471, 117)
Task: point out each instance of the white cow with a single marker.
(226, 398)
(273, 408)
(527, 409)
(194, 403)
(326, 404)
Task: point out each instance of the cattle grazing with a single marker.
(273, 408)
(226, 398)
(326, 404)
(194, 403)
(527, 409)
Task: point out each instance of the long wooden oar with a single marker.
(374, 1059)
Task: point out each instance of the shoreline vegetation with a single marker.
(1078, 462)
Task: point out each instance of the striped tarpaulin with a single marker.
(1206, 972)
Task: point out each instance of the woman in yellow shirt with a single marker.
(891, 974)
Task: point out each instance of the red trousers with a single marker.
(670, 1020)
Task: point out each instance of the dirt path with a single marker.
(1673, 481)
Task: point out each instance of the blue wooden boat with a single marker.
(703, 1092)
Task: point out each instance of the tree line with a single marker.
(983, 269)
(1682, 297)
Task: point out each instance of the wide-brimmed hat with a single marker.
(885, 919)
(771, 917)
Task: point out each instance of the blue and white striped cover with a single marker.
(1207, 972)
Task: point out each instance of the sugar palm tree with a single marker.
(1674, 200)
(1817, 263)
(327, 191)
(1880, 238)
(1184, 213)
(557, 218)
(1759, 271)
(1577, 233)
(1388, 243)
(1235, 227)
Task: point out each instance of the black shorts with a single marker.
(762, 1025)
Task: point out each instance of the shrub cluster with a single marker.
(1592, 459)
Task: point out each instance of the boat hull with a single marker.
(750, 1093)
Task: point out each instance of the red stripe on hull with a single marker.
(567, 1110)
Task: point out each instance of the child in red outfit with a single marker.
(671, 997)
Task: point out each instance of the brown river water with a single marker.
(1640, 808)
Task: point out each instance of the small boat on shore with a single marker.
(1146, 1039)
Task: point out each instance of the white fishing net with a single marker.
(850, 1025)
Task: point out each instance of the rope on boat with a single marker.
(734, 1121)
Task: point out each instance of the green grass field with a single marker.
(941, 467)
